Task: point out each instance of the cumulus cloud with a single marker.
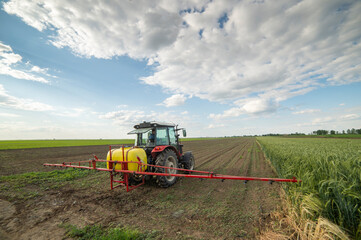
(9, 101)
(251, 54)
(103, 29)
(175, 100)
(9, 65)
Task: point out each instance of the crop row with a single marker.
(330, 170)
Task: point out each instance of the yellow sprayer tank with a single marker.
(130, 155)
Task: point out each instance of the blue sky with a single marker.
(74, 69)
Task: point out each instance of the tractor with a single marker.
(156, 144)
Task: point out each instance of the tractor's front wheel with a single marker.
(167, 158)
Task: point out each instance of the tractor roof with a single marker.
(153, 124)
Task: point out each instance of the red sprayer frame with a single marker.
(92, 165)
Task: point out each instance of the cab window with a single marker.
(143, 138)
(172, 136)
(162, 137)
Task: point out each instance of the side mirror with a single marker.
(184, 133)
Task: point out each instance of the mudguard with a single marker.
(159, 149)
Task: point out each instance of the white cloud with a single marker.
(262, 53)
(175, 100)
(72, 112)
(8, 115)
(103, 29)
(335, 119)
(322, 120)
(128, 118)
(211, 126)
(9, 64)
(252, 106)
(122, 106)
(9, 101)
(125, 117)
(307, 111)
(350, 117)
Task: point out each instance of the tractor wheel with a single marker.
(135, 179)
(188, 161)
(167, 158)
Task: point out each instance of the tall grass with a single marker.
(330, 170)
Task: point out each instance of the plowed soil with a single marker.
(191, 209)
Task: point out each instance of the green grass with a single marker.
(97, 232)
(20, 144)
(18, 185)
(43, 177)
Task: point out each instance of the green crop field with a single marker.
(325, 136)
(19, 144)
(330, 170)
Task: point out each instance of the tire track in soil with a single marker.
(232, 192)
(224, 157)
(250, 196)
(213, 157)
(223, 168)
(257, 196)
(226, 195)
(233, 164)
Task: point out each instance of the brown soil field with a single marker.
(191, 209)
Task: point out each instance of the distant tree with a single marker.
(322, 132)
(333, 132)
(353, 131)
(348, 131)
(343, 131)
(297, 133)
(358, 131)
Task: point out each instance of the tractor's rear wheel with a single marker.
(188, 161)
(167, 158)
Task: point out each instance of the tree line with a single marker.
(320, 132)
(333, 132)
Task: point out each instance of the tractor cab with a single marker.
(152, 134)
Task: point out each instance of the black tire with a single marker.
(188, 161)
(135, 179)
(167, 158)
